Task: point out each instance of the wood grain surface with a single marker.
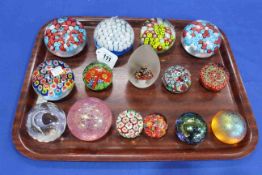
(123, 95)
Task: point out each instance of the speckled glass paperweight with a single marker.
(155, 125)
(46, 122)
(114, 34)
(177, 79)
(214, 77)
(53, 80)
(97, 76)
(191, 128)
(129, 124)
(65, 37)
(201, 39)
(158, 33)
(89, 119)
(229, 127)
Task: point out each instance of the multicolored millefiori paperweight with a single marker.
(201, 39)
(229, 127)
(89, 119)
(155, 125)
(214, 77)
(46, 122)
(129, 124)
(143, 73)
(53, 80)
(65, 37)
(97, 76)
(191, 128)
(177, 79)
(114, 34)
(159, 33)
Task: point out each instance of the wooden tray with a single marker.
(123, 95)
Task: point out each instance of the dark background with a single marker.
(19, 25)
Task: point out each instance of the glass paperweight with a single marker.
(158, 33)
(89, 119)
(65, 37)
(177, 79)
(53, 80)
(143, 67)
(201, 39)
(214, 77)
(46, 122)
(191, 128)
(155, 125)
(229, 127)
(114, 34)
(143, 73)
(97, 76)
(129, 124)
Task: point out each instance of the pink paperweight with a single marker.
(89, 119)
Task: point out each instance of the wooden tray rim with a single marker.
(24, 150)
